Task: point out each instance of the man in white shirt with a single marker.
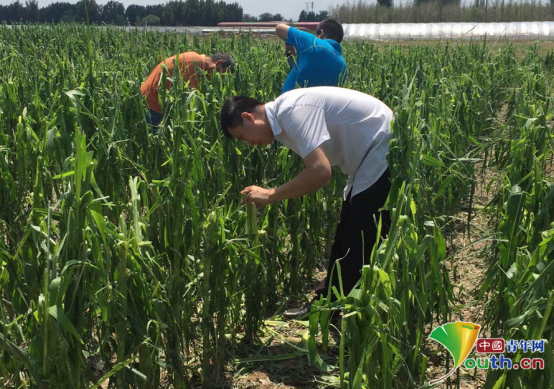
(325, 126)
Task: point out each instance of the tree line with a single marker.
(173, 13)
(305, 16)
(211, 12)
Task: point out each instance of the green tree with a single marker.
(16, 12)
(113, 12)
(307, 16)
(32, 13)
(56, 12)
(192, 14)
(149, 20)
(265, 17)
(3, 13)
(385, 3)
(168, 16)
(157, 10)
(134, 12)
(233, 12)
(175, 14)
(90, 7)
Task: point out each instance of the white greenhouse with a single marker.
(453, 31)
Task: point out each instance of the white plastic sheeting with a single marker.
(431, 31)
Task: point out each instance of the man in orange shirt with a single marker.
(188, 63)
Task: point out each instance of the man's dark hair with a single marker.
(332, 30)
(232, 110)
(227, 63)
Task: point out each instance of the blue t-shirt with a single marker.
(319, 62)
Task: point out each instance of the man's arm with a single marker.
(282, 31)
(316, 174)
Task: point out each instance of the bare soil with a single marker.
(467, 266)
(286, 339)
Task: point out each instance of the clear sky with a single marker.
(290, 9)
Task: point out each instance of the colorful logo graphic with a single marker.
(459, 339)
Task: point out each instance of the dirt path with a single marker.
(467, 265)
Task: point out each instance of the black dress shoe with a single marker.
(296, 313)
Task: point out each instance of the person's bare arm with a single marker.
(282, 31)
(315, 175)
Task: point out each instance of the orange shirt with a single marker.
(187, 66)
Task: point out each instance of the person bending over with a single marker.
(325, 126)
(189, 63)
(319, 60)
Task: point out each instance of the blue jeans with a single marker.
(155, 119)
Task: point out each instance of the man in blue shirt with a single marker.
(319, 60)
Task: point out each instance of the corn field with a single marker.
(130, 250)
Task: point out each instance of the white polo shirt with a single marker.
(351, 127)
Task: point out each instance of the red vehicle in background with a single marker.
(307, 25)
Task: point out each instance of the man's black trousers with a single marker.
(359, 217)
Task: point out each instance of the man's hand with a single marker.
(316, 174)
(257, 195)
